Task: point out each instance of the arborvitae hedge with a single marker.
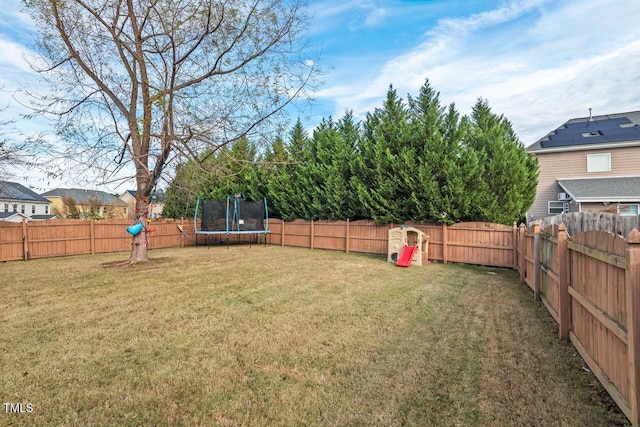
(413, 160)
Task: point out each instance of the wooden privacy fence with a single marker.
(469, 243)
(590, 284)
(43, 239)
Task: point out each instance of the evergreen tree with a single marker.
(328, 172)
(386, 166)
(509, 177)
(287, 181)
(448, 170)
(347, 154)
(426, 135)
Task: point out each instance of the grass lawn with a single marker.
(271, 336)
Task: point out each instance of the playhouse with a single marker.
(410, 242)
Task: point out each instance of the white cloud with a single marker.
(538, 62)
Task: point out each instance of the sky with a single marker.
(537, 62)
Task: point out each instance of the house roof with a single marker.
(592, 132)
(622, 189)
(42, 217)
(18, 192)
(7, 215)
(83, 197)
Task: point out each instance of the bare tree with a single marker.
(68, 209)
(137, 83)
(12, 153)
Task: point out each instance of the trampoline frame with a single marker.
(235, 228)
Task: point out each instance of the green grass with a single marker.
(271, 336)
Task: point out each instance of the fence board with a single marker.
(298, 233)
(549, 274)
(529, 257)
(365, 236)
(578, 222)
(599, 308)
(58, 238)
(11, 242)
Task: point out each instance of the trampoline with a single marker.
(235, 216)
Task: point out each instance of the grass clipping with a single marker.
(271, 336)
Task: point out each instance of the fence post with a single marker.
(311, 240)
(515, 245)
(347, 238)
(92, 241)
(522, 256)
(564, 309)
(536, 262)
(25, 241)
(632, 285)
(182, 232)
(444, 243)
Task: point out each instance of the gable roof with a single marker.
(622, 189)
(592, 132)
(83, 197)
(4, 216)
(18, 192)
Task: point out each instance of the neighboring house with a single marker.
(17, 202)
(589, 164)
(157, 203)
(79, 203)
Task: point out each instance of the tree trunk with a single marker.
(139, 248)
(139, 245)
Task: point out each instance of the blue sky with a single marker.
(538, 62)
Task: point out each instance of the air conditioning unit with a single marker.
(563, 196)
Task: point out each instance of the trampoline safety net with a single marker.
(244, 216)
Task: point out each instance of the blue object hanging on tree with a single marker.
(134, 229)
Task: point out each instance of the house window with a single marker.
(22, 210)
(6, 207)
(599, 162)
(557, 208)
(15, 207)
(628, 209)
(46, 210)
(33, 209)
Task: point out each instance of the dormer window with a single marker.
(599, 162)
